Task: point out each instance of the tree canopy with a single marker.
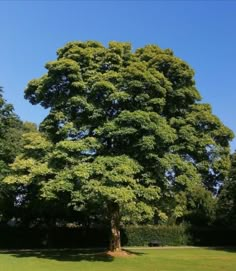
(126, 132)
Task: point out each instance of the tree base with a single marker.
(120, 253)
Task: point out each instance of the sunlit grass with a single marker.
(178, 259)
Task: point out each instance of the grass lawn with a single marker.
(167, 259)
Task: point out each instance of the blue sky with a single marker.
(203, 33)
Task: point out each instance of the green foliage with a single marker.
(11, 144)
(28, 172)
(10, 132)
(201, 207)
(226, 207)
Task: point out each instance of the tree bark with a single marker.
(115, 244)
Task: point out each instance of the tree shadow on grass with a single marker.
(68, 255)
(63, 255)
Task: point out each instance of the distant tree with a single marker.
(10, 126)
(125, 133)
(201, 207)
(11, 130)
(226, 211)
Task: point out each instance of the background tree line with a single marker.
(127, 141)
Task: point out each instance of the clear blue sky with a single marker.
(203, 33)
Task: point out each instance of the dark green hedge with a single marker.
(212, 236)
(176, 235)
(16, 238)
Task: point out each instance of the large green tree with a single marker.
(126, 132)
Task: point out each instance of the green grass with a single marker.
(178, 259)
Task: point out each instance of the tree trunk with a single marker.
(115, 227)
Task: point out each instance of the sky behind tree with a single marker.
(200, 32)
